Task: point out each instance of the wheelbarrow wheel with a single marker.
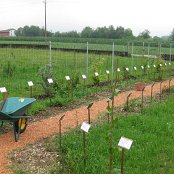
(23, 125)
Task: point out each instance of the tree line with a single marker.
(87, 32)
(101, 32)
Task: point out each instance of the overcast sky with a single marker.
(65, 15)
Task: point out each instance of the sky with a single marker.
(66, 15)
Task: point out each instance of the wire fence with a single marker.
(20, 64)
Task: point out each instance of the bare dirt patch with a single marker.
(34, 159)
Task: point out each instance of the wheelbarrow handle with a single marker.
(23, 116)
(3, 103)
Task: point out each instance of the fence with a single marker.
(21, 63)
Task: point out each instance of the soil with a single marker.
(40, 128)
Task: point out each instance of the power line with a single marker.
(45, 3)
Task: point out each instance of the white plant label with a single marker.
(148, 66)
(3, 89)
(118, 69)
(135, 68)
(154, 66)
(127, 69)
(165, 64)
(50, 80)
(142, 67)
(125, 143)
(169, 63)
(85, 127)
(107, 72)
(30, 83)
(96, 74)
(161, 65)
(67, 77)
(84, 76)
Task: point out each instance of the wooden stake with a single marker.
(127, 101)
(60, 131)
(31, 91)
(151, 92)
(169, 85)
(122, 162)
(84, 148)
(161, 90)
(142, 99)
(89, 114)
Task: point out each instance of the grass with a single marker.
(20, 65)
(151, 153)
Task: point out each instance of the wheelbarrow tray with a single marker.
(16, 106)
(13, 110)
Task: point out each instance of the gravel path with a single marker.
(48, 127)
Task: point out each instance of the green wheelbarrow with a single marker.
(14, 110)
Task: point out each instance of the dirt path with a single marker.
(47, 127)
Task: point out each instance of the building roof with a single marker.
(2, 31)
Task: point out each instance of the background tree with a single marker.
(145, 34)
(31, 31)
(87, 32)
(172, 35)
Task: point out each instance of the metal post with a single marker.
(127, 101)
(148, 50)
(108, 112)
(50, 54)
(161, 90)
(143, 50)
(31, 91)
(132, 56)
(112, 110)
(89, 114)
(60, 131)
(87, 59)
(169, 85)
(110, 153)
(142, 99)
(160, 50)
(45, 2)
(151, 92)
(84, 149)
(122, 161)
(113, 61)
(170, 52)
(128, 48)
(68, 89)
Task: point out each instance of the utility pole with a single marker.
(45, 2)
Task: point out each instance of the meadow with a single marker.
(20, 65)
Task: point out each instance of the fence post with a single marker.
(50, 54)
(87, 47)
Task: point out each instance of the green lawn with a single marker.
(151, 153)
